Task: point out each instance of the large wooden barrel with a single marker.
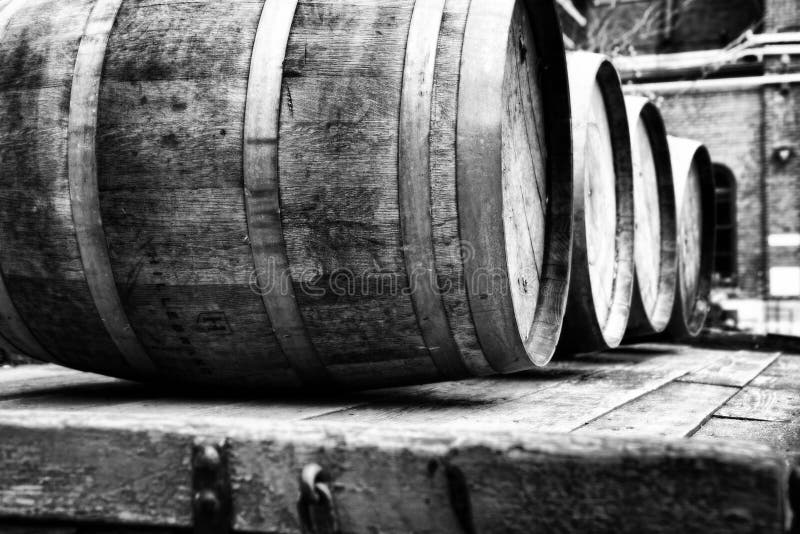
(602, 258)
(654, 235)
(694, 198)
(283, 193)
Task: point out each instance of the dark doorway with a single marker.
(726, 251)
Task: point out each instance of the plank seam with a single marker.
(84, 190)
(655, 387)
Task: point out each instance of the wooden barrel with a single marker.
(694, 198)
(602, 258)
(654, 235)
(284, 193)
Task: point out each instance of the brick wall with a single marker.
(782, 132)
(703, 24)
(696, 24)
(729, 123)
(782, 15)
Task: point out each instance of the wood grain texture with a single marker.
(781, 436)
(764, 404)
(655, 218)
(484, 202)
(12, 327)
(702, 486)
(784, 373)
(170, 166)
(414, 170)
(734, 369)
(83, 186)
(403, 445)
(694, 199)
(479, 184)
(600, 203)
(211, 161)
(24, 527)
(676, 410)
(524, 174)
(602, 262)
(40, 380)
(261, 181)
(46, 282)
(339, 190)
(558, 400)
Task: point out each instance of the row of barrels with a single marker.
(285, 193)
(644, 218)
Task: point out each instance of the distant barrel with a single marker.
(694, 198)
(655, 231)
(602, 261)
(283, 193)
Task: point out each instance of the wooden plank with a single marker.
(560, 406)
(40, 529)
(50, 388)
(733, 369)
(675, 410)
(783, 374)
(58, 382)
(27, 372)
(390, 479)
(781, 436)
(52, 471)
(133, 402)
(764, 404)
(46, 282)
(49, 528)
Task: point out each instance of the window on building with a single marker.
(725, 257)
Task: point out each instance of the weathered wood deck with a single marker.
(645, 439)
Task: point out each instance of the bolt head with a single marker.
(207, 457)
(207, 501)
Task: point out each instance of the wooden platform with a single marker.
(646, 439)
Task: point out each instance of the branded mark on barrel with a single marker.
(215, 322)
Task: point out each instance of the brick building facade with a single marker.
(750, 124)
(730, 123)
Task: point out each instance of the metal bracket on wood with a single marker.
(211, 488)
(316, 507)
(794, 499)
(460, 498)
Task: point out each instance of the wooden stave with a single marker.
(553, 293)
(582, 332)
(15, 335)
(685, 153)
(641, 322)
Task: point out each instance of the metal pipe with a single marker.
(722, 84)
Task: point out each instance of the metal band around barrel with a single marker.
(262, 191)
(479, 183)
(13, 329)
(83, 186)
(415, 187)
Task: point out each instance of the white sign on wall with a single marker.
(784, 281)
(784, 240)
